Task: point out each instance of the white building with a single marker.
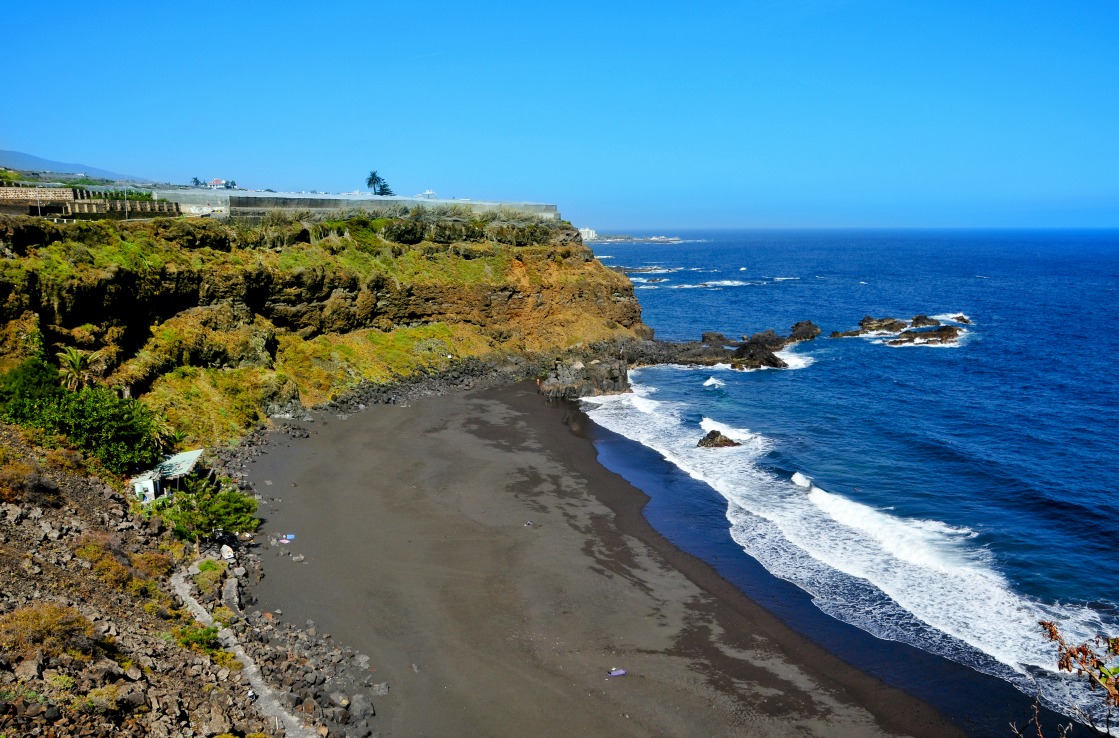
(588, 234)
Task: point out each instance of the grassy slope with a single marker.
(342, 305)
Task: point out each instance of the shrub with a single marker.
(119, 432)
(152, 564)
(32, 380)
(99, 700)
(198, 637)
(49, 628)
(223, 615)
(209, 575)
(403, 231)
(206, 509)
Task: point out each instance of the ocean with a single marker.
(947, 498)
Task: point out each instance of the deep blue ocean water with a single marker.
(948, 498)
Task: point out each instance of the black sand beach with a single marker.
(472, 545)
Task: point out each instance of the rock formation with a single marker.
(715, 439)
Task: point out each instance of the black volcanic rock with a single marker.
(805, 330)
(715, 439)
(766, 339)
(873, 325)
(923, 321)
(941, 334)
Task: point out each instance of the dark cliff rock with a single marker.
(573, 378)
(923, 321)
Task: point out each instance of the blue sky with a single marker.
(798, 113)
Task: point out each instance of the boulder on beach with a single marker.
(715, 439)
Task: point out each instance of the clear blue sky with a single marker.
(627, 115)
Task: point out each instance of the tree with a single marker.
(1098, 664)
(377, 183)
(231, 185)
(195, 182)
(75, 368)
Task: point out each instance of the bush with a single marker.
(154, 565)
(206, 509)
(198, 637)
(100, 700)
(403, 231)
(48, 628)
(119, 432)
(209, 575)
(33, 380)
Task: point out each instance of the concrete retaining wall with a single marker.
(244, 203)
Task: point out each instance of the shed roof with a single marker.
(178, 465)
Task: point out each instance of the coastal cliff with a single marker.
(215, 326)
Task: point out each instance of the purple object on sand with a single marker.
(617, 672)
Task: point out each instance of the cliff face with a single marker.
(183, 312)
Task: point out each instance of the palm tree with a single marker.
(74, 366)
(374, 181)
(195, 182)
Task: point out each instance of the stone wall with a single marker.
(31, 194)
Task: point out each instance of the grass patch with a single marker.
(330, 364)
(47, 628)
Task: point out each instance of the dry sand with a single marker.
(495, 572)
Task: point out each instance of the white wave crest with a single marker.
(713, 382)
(727, 283)
(785, 279)
(793, 359)
(923, 582)
(802, 481)
(951, 317)
(742, 435)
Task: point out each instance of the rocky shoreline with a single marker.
(141, 681)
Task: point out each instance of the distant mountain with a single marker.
(20, 160)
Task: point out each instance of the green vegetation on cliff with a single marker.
(214, 326)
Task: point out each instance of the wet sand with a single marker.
(494, 572)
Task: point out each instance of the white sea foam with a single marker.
(713, 382)
(647, 287)
(951, 317)
(742, 435)
(919, 581)
(727, 283)
(742, 269)
(785, 279)
(793, 359)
